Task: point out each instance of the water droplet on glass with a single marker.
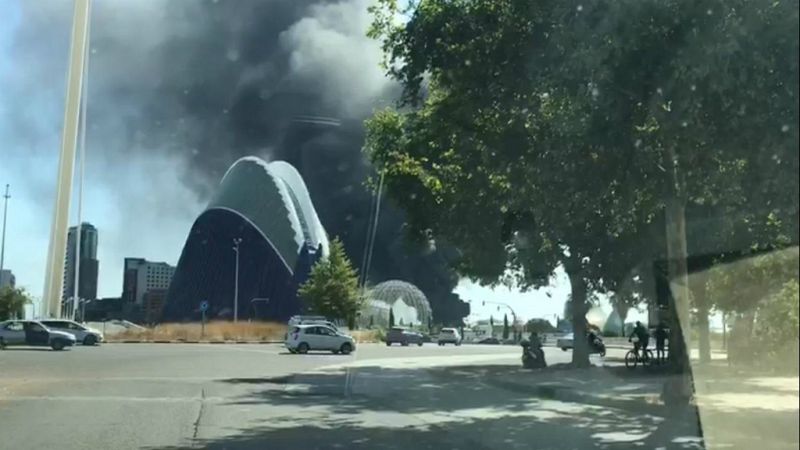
(785, 128)
(684, 124)
(224, 111)
(693, 88)
(580, 8)
(185, 92)
(195, 151)
(709, 12)
(595, 92)
(467, 63)
(638, 143)
(232, 55)
(660, 92)
(94, 50)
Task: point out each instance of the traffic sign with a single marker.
(204, 306)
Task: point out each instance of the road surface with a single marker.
(155, 396)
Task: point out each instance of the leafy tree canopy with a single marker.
(534, 134)
(12, 302)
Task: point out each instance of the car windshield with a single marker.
(300, 224)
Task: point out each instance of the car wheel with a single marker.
(404, 344)
(388, 344)
(2, 344)
(57, 345)
(563, 349)
(90, 340)
(302, 348)
(292, 351)
(346, 348)
(458, 344)
(419, 344)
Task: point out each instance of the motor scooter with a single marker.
(532, 356)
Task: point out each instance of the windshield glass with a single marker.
(383, 224)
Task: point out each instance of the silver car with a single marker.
(82, 333)
(33, 333)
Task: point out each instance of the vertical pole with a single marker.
(81, 165)
(3, 244)
(203, 323)
(54, 275)
(236, 243)
(371, 241)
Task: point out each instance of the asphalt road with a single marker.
(136, 396)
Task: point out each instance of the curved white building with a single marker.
(268, 208)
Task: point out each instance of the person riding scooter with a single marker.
(596, 344)
(532, 353)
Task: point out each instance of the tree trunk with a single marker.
(704, 341)
(622, 312)
(725, 331)
(679, 284)
(580, 349)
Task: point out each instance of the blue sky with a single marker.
(122, 200)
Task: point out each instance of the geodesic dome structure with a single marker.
(399, 296)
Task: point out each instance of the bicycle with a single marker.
(633, 358)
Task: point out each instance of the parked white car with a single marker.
(449, 336)
(303, 338)
(83, 334)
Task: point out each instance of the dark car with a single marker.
(403, 337)
(489, 341)
(33, 333)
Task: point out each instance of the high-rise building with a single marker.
(7, 279)
(87, 284)
(141, 276)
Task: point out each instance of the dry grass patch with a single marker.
(216, 331)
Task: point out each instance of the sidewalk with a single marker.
(734, 410)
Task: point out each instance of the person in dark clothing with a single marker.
(642, 339)
(661, 340)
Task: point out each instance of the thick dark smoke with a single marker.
(202, 83)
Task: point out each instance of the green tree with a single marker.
(12, 302)
(505, 326)
(332, 287)
(777, 327)
(391, 318)
(539, 326)
(573, 128)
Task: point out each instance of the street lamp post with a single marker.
(236, 242)
(3, 244)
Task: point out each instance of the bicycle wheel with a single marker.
(647, 358)
(631, 359)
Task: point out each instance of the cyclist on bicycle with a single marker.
(642, 339)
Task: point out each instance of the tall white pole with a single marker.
(54, 275)
(81, 166)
